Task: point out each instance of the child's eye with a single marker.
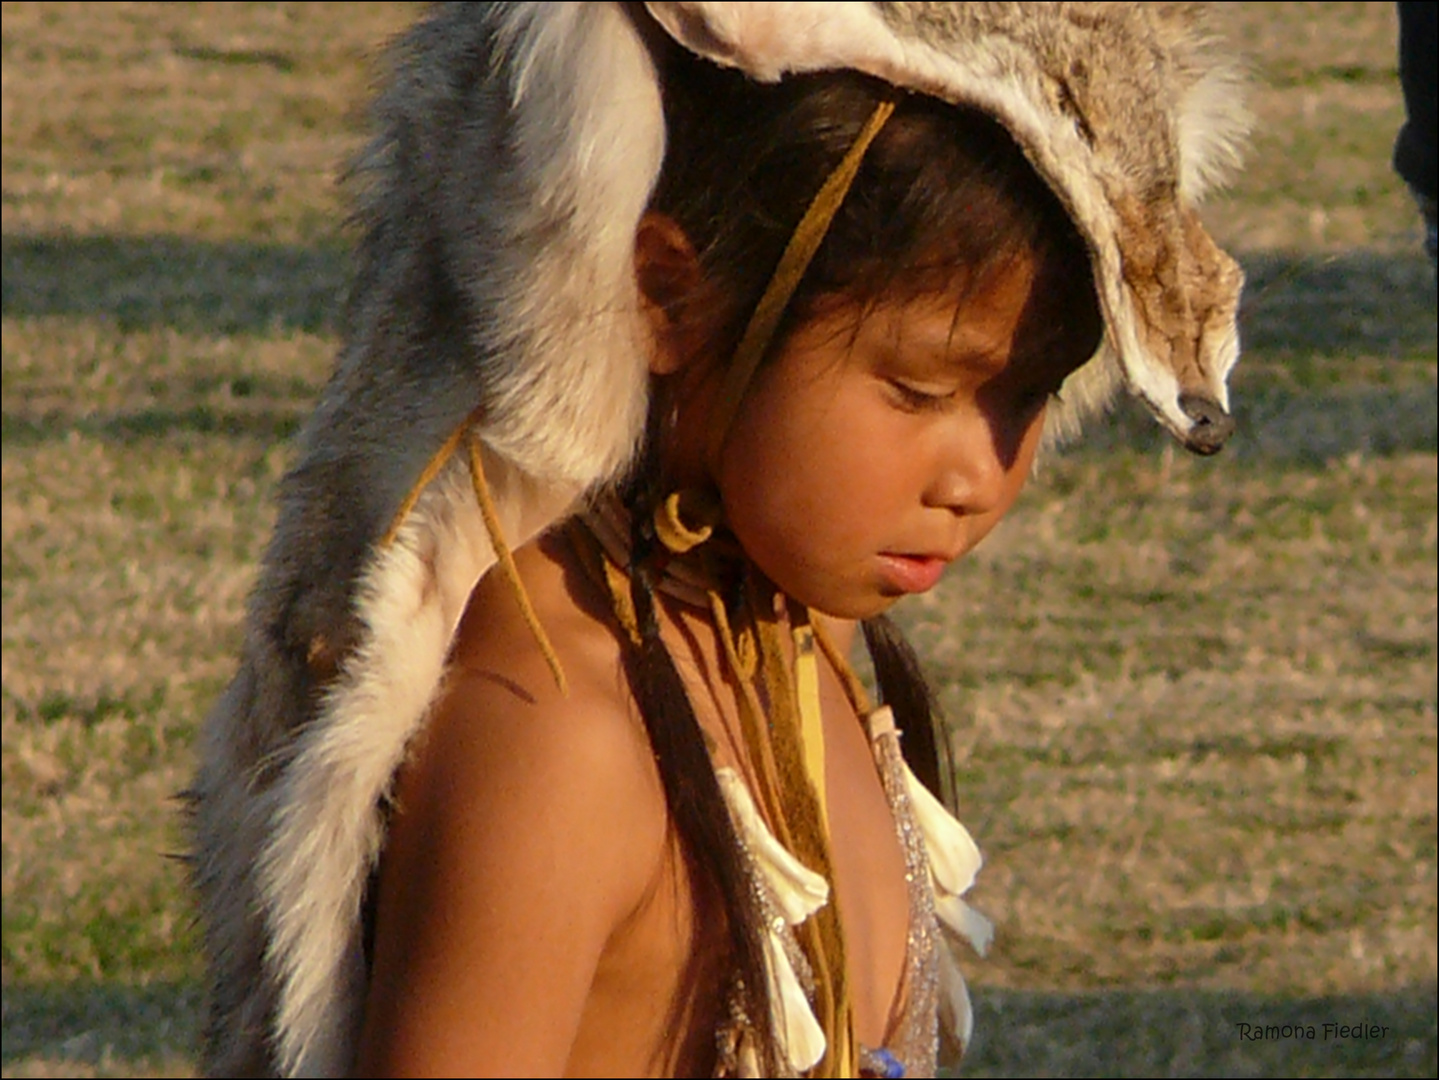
(914, 399)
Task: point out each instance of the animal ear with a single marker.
(672, 292)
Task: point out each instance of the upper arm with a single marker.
(528, 827)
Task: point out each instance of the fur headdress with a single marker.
(517, 147)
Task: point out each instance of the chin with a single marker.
(851, 597)
(854, 609)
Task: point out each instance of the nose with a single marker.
(972, 474)
(1212, 425)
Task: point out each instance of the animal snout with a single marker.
(1212, 425)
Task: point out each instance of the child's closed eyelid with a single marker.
(920, 398)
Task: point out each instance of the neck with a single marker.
(841, 631)
(691, 575)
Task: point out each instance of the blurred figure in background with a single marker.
(1414, 150)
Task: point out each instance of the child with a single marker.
(703, 852)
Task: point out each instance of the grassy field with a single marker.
(1193, 701)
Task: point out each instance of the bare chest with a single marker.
(868, 886)
(657, 995)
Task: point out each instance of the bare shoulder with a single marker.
(499, 681)
(529, 825)
(581, 752)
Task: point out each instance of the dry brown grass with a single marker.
(1194, 702)
(1327, 112)
(1195, 743)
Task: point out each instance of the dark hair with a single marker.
(943, 196)
(943, 191)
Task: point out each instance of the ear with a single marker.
(670, 281)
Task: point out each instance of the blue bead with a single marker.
(893, 1068)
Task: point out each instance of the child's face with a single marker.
(870, 455)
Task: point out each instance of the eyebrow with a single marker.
(955, 346)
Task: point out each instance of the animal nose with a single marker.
(1212, 425)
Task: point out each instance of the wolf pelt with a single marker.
(516, 147)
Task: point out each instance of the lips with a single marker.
(912, 573)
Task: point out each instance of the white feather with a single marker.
(797, 891)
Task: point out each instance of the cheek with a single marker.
(769, 482)
(812, 488)
(1017, 475)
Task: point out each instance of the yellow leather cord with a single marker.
(811, 724)
(431, 470)
(798, 253)
(469, 436)
(507, 559)
(853, 688)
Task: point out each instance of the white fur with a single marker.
(590, 138)
(327, 830)
(771, 40)
(1212, 123)
(590, 134)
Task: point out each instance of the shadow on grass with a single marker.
(1339, 349)
(1356, 304)
(168, 281)
(1279, 422)
(267, 425)
(124, 1030)
(106, 1028)
(1180, 1032)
